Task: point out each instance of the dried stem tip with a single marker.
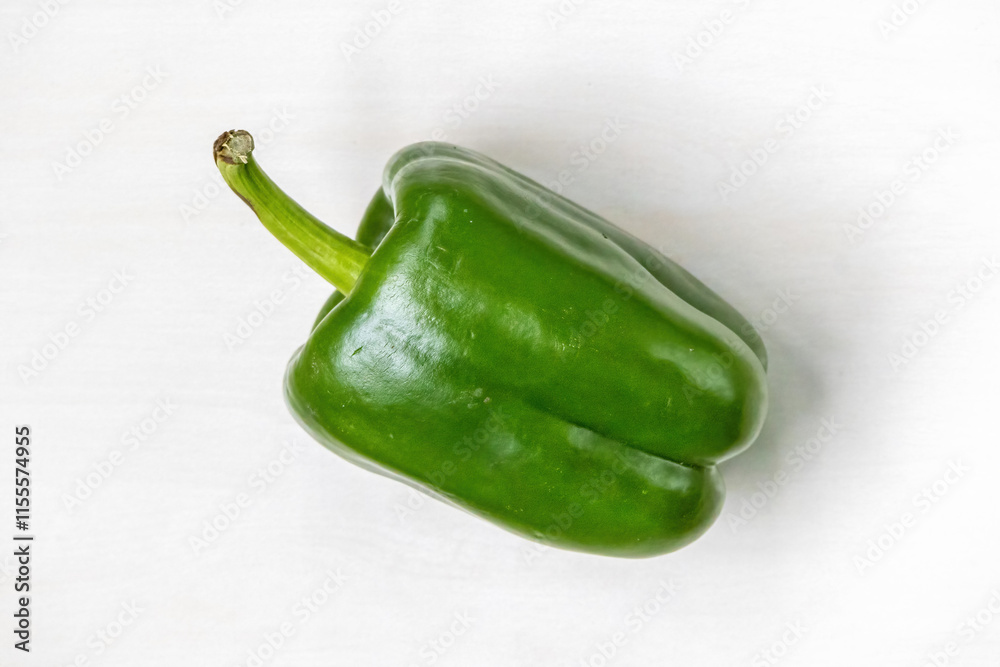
(233, 146)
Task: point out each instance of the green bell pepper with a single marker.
(500, 348)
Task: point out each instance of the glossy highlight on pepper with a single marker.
(501, 348)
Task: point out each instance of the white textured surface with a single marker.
(555, 84)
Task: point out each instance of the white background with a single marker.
(534, 82)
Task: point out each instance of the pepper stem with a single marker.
(329, 253)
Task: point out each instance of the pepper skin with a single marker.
(514, 354)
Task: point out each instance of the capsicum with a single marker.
(498, 347)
